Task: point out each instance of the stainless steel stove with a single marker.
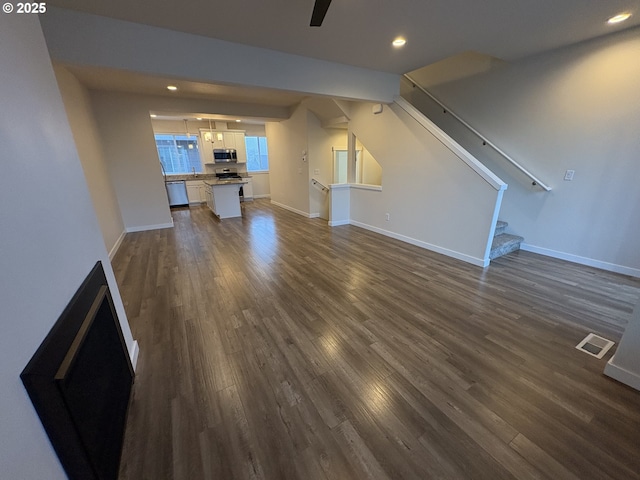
(227, 173)
(223, 174)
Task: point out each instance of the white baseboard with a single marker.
(116, 246)
(337, 223)
(590, 262)
(144, 228)
(314, 215)
(291, 209)
(133, 354)
(266, 195)
(419, 243)
(622, 375)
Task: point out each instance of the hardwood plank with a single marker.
(538, 457)
(275, 347)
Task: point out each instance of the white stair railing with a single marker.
(534, 180)
(318, 184)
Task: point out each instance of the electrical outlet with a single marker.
(299, 171)
(568, 175)
(387, 217)
(316, 171)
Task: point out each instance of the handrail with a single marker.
(457, 149)
(316, 182)
(485, 141)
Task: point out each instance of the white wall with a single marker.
(130, 150)
(433, 198)
(290, 174)
(87, 139)
(321, 142)
(251, 129)
(288, 171)
(50, 236)
(574, 108)
(261, 185)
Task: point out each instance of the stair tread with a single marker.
(503, 244)
(504, 238)
(500, 228)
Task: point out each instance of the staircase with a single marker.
(503, 243)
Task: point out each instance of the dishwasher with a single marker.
(177, 193)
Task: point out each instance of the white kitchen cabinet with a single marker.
(221, 139)
(247, 189)
(212, 138)
(209, 139)
(223, 199)
(195, 191)
(229, 139)
(236, 140)
(206, 147)
(241, 147)
(208, 191)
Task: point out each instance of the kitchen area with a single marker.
(211, 159)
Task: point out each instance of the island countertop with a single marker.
(206, 177)
(229, 181)
(190, 177)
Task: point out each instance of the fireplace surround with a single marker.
(80, 380)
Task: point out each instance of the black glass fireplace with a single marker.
(80, 381)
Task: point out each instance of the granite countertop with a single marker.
(199, 177)
(232, 181)
(191, 177)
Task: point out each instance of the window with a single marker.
(257, 154)
(178, 153)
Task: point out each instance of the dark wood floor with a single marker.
(275, 347)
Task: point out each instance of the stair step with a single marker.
(503, 244)
(500, 227)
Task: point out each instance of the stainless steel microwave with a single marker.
(225, 155)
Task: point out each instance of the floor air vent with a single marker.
(594, 345)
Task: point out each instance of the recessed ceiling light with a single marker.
(198, 118)
(237, 120)
(153, 115)
(173, 88)
(621, 17)
(399, 42)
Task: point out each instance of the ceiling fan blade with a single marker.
(319, 11)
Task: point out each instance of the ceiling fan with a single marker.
(319, 11)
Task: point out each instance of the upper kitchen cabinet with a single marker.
(206, 146)
(211, 139)
(241, 147)
(230, 139)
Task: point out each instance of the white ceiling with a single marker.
(134, 82)
(354, 32)
(359, 32)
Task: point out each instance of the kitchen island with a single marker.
(223, 197)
